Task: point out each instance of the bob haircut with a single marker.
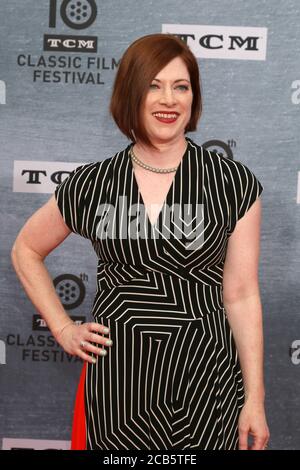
(141, 62)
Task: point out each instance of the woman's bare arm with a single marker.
(41, 234)
(242, 303)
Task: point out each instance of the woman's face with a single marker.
(168, 103)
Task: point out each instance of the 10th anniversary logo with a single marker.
(62, 66)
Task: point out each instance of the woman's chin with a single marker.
(166, 137)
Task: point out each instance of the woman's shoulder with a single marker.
(94, 168)
(228, 165)
(209, 156)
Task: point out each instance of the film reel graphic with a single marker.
(77, 14)
(70, 289)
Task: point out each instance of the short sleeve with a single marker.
(244, 188)
(71, 195)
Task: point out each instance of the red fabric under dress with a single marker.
(78, 429)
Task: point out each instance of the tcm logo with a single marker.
(2, 92)
(39, 324)
(296, 94)
(222, 42)
(70, 43)
(2, 352)
(40, 177)
(76, 15)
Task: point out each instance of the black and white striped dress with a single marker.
(172, 379)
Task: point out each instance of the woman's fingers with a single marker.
(92, 340)
(243, 439)
(258, 444)
(85, 339)
(88, 347)
(96, 327)
(87, 357)
(104, 341)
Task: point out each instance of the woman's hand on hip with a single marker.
(82, 340)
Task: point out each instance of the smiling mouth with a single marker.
(167, 118)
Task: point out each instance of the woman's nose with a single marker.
(168, 96)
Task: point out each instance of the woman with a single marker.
(176, 231)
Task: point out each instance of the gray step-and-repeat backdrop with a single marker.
(58, 60)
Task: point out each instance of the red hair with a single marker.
(141, 62)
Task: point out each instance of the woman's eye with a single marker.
(183, 87)
(155, 86)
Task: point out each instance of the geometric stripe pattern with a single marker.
(172, 379)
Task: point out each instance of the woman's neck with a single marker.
(166, 154)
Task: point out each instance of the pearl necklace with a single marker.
(147, 167)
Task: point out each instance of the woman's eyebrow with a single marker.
(178, 80)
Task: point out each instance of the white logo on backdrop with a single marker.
(2, 352)
(296, 94)
(35, 444)
(295, 352)
(74, 43)
(2, 92)
(222, 42)
(40, 177)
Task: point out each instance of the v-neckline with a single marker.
(175, 177)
